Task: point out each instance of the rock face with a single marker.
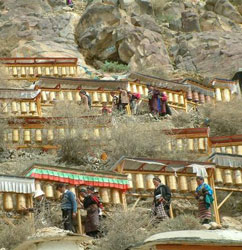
(107, 33)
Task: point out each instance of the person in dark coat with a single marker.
(165, 109)
(153, 96)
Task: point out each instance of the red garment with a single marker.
(163, 103)
(96, 199)
(106, 110)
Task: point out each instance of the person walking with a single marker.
(84, 100)
(68, 207)
(153, 96)
(123, 99)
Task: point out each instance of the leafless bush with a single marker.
(158, 5)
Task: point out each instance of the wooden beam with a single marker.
(228, 189)
(225, 199)
(151, 195)
(124, 202)
(79, 221)
(136, 202)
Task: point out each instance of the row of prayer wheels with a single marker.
(16, 107)
(198, 97)
(228, 176)
(222, 95)
(39, 70)
(191, 144)
(181, 183)
(229, 150)
(177, 99)
(137, 88)
(17, 202)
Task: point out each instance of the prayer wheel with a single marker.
(39, 72)
(84, 134)
(38, 135)
(38, 185)
(71, 71)
(140, 89)
(172, 182)
(218, 94)
(27, 137)
(23, 107)
(237, 177)
(190, 145)
(170, 97)
(69, 96)
(176, 98)
(139, 181)
(23, 71)
(218, 150)
(49, 191)
(47, 71)
(55, 70)
(31, 71)
(218, 175)
(78, 98)
(179, 144)
(14, 107)
(146, 91)
(52, 96)
(201, 144)
(104, 97)
(189, 95)
(226, 94)
(130, 180)
(43, 96)
(21, 202)
(183, 186)
(63, 71)
(4, 107)
(134, 88)
(206, 180)
(110, 98)
(149, 182)
(50, 135)
(15, 71)
(169, 144)
(7, 201)
(95, 97)
(115, 196)
(15, 135)
(128, 87)
(32, 107)
(228, 177)
(207, 99)
(239, 149)
(163, 179)
(61, 133)
(195, 97)
(104, 195)
(61, 96)
(201, 98)
(193, 185)
(229, 150)
(182, 102)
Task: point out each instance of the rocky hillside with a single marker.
(159, 37)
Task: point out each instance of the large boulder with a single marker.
(190, 21)
(107, 33)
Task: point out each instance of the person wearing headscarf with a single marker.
(204, 195)
(164, 107)
(153, 96)
(162, 197)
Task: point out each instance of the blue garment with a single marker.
(208, 198)
(68, 201)
(206, 187)
(159, 105)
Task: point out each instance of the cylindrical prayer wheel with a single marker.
(104, 97)
(61, 96)
(218, 175)
(43, 96)
(38, 135)
(104, 195)
(15, 71)
(140, 89)
(218, 94)
(47, 71)
(7, 201)
(207, 99)
(170, 97)
(146, 91)
(195, 97)
(218, 150)
(49, 191)
(50, 135)
(134, 88)
(52, 96)
(190, 145)
(55, 70)
(239, 149)
(172, 182)
(189, 95)
(229, 150)
(115, 196)
(63, 71)
(110, 98)
(149, 182)
(23, 107)
(32, 107)
(237, 177)
(39, 71)
(139, 181)
(183, 184)
(69, 96)
(31, 71)
(206, 180)
(176, 98)
(228, 180)
(226, 93)
(61, 132)
(128, 87)
(38, 185)
(21, 202)
(163, 179)
(71, 71)
(27, 137)
(130, 180)
(23, 71)
(193, 185)
(201, 144)
(179, 144)
(95, 97)
(15, 135)
(14, 107)
(181, 101)
(201, 98)
(169, 145)
(78, 98)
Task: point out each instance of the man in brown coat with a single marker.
(123, 99)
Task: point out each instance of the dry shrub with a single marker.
(11, 236)
(158, 5)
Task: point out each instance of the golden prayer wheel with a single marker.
(27, 137)
(179, 144)
(38, 135)
(239, 148)
(140, 89)
(229, 150)
(31, 71)
(182, 101)
(218, 150)
(193, 184)
(149, 182)
(55, 70)
(21, 202)
(23, 72)
(201, 98)
(50, 135)
(7, 201)
(110, 98)
(38, 185)
(78, 98)
(208, 99)
(15, 135)
(228, 180)
(237, 177)
(176, 98)
(32, 108)
(115, 196)
(104, 195)
(134, 88)
(139, 181)
(23, 107)
(169, 145)
(39, 72)
(128, 87)
(163, 179)
(43, 96)
(49, 191)
(130, 181)
(61, 96)
(47, 71)
(218, 175)
(170, 97)
(201, 144)
(63, 71)
(71, 71)
(183, 186)
(190, 145)
(206, 180)
(15, 71)
(14, 107)
(69, 96)
(104, 97)
(189, 95)
(226, 94)
(52, 96)
(172, 182)
(95, 97)
(195, 97)
(146, 91)
(218, 94)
